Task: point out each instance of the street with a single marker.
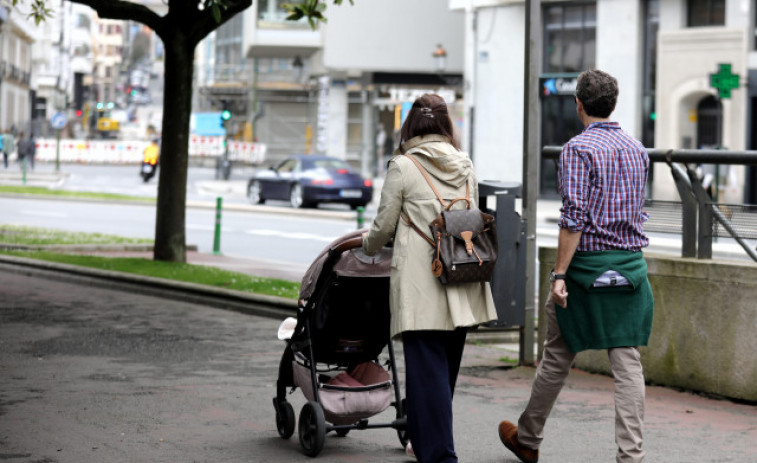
(101, 375)
(272, 233)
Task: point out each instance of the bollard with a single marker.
(217, 234)
(360, 219)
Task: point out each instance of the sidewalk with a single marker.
(98, 374)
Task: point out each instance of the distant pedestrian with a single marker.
(602, 178)
(9, 146)
(27, 150)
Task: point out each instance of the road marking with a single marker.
(46, 214)
(208, 228)
(294, 236)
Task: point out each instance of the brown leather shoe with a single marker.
(508, 434)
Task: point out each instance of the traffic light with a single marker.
(225, 113)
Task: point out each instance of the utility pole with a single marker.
(531, 161)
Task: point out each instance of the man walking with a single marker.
(27, 149)
(602, 176)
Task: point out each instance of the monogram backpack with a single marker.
(465, 240)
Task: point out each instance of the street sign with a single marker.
(58, 120)
(724, 81)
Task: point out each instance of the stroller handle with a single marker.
(351, 243)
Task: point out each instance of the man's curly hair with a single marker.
(598, 92)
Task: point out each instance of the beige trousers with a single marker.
(625, 363)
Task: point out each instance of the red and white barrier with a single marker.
(130, 152)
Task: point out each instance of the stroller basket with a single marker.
(348, 404)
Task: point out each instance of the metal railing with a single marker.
(697, 217)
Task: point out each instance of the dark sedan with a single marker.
(307, 180)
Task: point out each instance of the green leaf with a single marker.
(295, 16)
(216, 11)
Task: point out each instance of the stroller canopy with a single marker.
(352, 262)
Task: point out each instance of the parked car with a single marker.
(307, 180)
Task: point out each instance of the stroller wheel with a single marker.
(402, 431)
(284, 419)
(312, 428)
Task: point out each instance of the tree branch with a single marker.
(120, 9)
(206, 22)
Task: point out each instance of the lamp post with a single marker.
(440, 59)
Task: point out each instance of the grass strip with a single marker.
(33, 236)
(190, 273)
(43, 191)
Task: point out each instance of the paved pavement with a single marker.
(90, 374)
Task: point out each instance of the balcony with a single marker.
(288, 75)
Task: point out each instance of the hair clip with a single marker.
(426, 112)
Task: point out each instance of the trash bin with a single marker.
(509, 278)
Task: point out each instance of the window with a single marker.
(705, 13)
(272, 13)
(649, 74)
(569, 37)
(82, 22)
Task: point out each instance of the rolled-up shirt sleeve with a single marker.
(385, 223)
(573, 179)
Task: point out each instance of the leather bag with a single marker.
(465, 240)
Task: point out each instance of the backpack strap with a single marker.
(407, 220)
(436, 192)
(417, 230)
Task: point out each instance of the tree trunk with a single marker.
(170, 237)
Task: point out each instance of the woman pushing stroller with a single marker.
(431, 318)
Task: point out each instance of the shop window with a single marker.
(705, 13)
(569, 37)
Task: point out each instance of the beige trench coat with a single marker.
(417, 300)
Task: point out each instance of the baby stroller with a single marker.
(332, 352)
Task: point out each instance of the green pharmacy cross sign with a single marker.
(724, 81)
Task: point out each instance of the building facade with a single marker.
(51, 73)
(663, 53)
(329, 90)
(17, 35)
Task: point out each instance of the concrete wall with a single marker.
(704, 333)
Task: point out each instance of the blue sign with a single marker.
(58, 120)
(551, 86)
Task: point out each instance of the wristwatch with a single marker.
(555, 276)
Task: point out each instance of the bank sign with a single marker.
(558, 86)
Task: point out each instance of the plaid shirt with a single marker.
(602, 176)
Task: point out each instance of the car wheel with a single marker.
(297, 196)
(253, 193)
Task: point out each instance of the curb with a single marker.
(76, 248)
(248, 303)
(237, 301)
